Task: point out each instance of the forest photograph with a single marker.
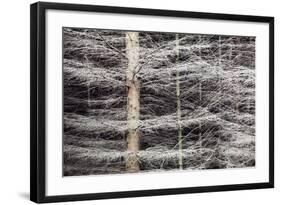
(145, 101)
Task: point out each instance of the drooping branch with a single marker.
(111, 46)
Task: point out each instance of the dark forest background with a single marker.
(217, 97)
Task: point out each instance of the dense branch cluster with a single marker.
(217, 83)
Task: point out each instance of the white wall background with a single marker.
(14, 102)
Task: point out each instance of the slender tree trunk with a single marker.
(200, 101)
(89, 94)
(220, 81)
(179, 106)
(133, 102)
(238, 93)
(230, 52)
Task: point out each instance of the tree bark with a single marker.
(200, 97)
(219, 75)
(89, 95)
(179, 106)
(133, 101)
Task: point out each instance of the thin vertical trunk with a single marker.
(200, 99)
(133, 102)
(230, 52)
(238, 92)
(89, 94)
(179, 106)
(88, 86)
(248, 104)
(219, 75)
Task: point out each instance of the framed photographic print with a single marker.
(129, 102)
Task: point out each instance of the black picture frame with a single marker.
(38, 101)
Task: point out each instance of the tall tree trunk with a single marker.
(238, 93)
(89, 95)
(230, 51)
(179, 106)
(220, 70)
(133, 101)
(200, 97)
